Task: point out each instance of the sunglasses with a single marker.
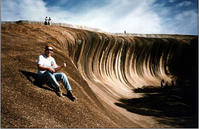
(49, 50)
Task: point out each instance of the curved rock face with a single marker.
(104, 71)
(122, 63)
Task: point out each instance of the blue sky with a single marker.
(134, 16)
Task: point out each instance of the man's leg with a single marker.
(50, 77)
(62, 77)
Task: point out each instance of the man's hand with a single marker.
(60, 67)
(51, 70)
(64, 65)
(46, 68)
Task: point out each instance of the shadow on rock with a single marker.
(176, 104)
(32, 77)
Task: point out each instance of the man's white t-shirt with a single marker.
(46, 62)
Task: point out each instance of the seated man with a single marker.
(47, 72)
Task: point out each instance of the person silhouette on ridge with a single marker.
(46, 21)
(49, 21)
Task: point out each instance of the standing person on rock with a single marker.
(48, 72)
(46, 21)
(49, 21)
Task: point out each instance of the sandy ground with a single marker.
(26, 104)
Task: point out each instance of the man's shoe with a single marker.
(58, 92)
(70, 96)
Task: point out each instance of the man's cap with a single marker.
(48, 47)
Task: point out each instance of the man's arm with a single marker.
(60, 67)
(46, 68)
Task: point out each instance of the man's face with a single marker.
(48, 51)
